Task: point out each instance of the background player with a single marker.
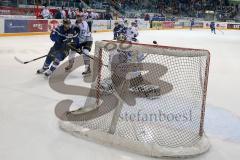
(191, 23)
(83, 42)
(124, 33)
(132, 32)
(213, 27)
(117, 30)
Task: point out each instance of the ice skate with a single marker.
(42, 70)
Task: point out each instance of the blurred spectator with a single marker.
(77, 12)
(63, 13)
(58, 14)
(46, 13)
(85, 13)
(147, 17)
(80, 4)
(161, 8)
(189, 8)
(94, 15)
(108, 16)
(71, 13)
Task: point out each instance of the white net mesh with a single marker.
(150, 99)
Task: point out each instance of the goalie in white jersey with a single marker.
(137, 84)
(133, 56)
(128, 35)
(83, 42)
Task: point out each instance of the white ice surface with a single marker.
(28, 125)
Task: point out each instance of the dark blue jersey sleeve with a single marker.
(57, 35)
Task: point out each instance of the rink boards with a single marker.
(18, 27)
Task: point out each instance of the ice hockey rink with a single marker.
(29, 127)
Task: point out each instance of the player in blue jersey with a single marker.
(120, 31)
(117, 30)
(213, 27)
(61, 36)
(191, 24)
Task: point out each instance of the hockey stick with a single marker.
(62, 35)
(25, 62)
(81, 52)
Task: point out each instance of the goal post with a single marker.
(150, 100)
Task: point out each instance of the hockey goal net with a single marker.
(149, 99)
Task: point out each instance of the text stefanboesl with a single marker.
(159, 116)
